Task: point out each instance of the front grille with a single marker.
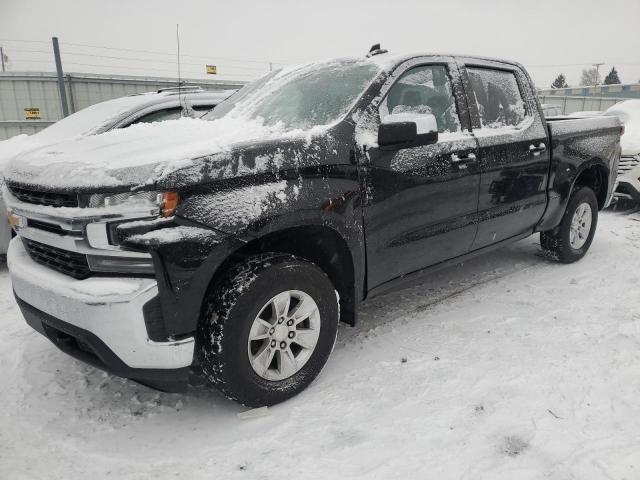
(53, 228)
(70, 263)
(628, 163)
(51, 199)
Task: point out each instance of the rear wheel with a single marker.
(267, 329)
(570, 241)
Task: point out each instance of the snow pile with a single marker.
(171, 235)
(629, 114)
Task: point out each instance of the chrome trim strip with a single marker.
(75, 244)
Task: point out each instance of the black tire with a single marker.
(229, 311)
(557, 243)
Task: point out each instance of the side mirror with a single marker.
(401, 130)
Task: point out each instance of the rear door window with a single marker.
(497, 96)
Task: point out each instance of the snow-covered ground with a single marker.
(509, 367)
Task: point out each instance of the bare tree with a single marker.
(590, 77)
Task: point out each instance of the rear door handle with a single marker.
(537, 150)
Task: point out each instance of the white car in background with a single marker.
(585, 114)
(550, 110)
(165, 104)
(629, 168)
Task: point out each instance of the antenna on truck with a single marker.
(376, 50)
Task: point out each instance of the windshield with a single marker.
(301, 97)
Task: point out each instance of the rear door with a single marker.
(513, 150)
(421, 200)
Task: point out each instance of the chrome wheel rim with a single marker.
(284, 335)
(580, 226)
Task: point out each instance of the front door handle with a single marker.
(537, 150)
(463, 157)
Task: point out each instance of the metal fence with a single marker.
(626, 91)
(30, 101)
(580, 99)
(580, 104)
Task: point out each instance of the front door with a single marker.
(421, 201)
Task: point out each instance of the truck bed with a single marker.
(603, 126)
(574, 141)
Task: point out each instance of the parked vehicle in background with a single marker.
(237, 245)
(550, 110)
(585, 114)
(629, 170)
(165, 104)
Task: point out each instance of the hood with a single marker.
(15, 146)
(147, 154)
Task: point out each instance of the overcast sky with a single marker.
(241, 37)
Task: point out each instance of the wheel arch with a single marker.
(595, 176)
(592, 173)
(320, 244)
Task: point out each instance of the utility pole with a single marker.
(597, 65)
(270, 66)
(61, 87)
(2, 57)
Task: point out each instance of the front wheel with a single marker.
(267, 329)
(570, 241)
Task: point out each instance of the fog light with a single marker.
(120, 264)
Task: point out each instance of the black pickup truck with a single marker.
(233, 245)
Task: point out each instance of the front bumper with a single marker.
(628, 185)
(99, 320)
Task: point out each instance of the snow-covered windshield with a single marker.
(301, 97)
(90, 119)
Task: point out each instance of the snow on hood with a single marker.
(14, 146)
(85, 122)
(138, 155)
(143, 154)
(629, 114)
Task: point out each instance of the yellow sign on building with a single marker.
(32, 113)
(212, 69)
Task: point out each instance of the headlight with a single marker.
(157, 203)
